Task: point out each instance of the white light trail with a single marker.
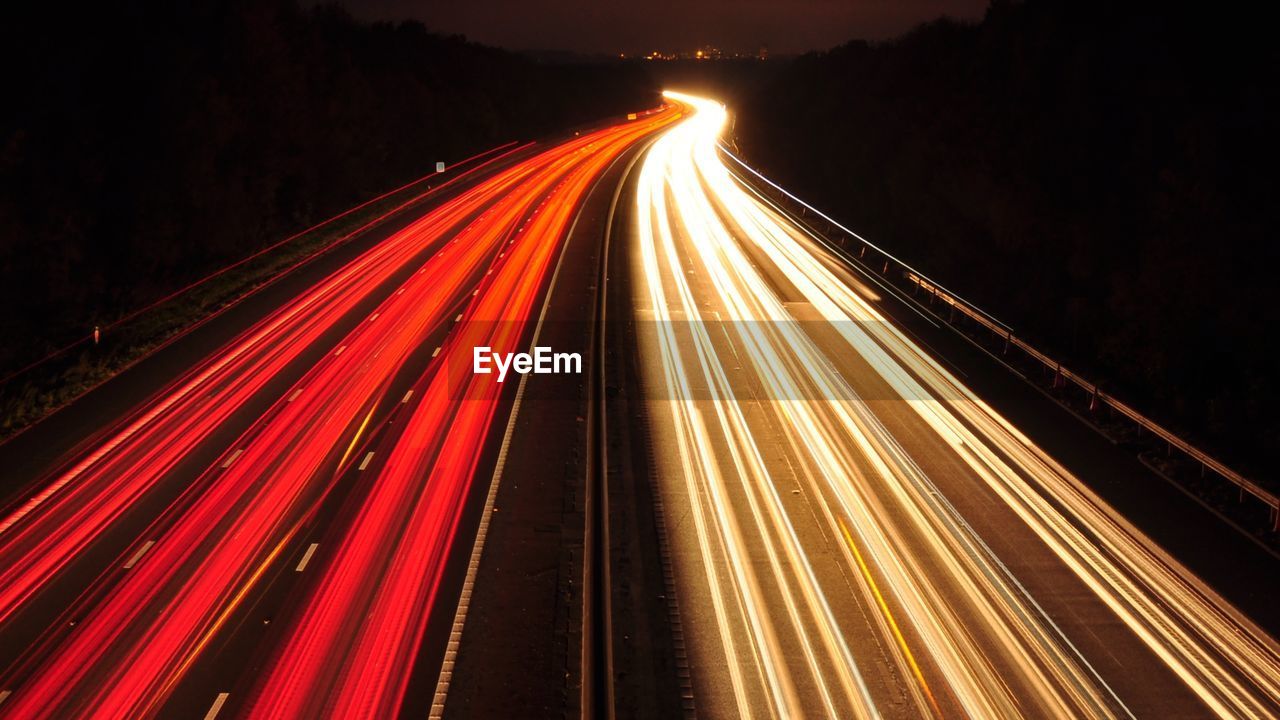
(750, 333)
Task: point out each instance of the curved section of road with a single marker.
(859, 535)
(136, 631)
(351, 652)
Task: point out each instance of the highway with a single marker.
(319, 510)
(857, 534)
(140, 556)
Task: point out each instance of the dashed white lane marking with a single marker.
(373, 317)
(306, 557)
(408, 394)
(294, 395)
(367, 459)
(217, 706)
(138, 555)
(232, 459)
(435, 352)
(339, 351)
(4, 695)
(458, 318)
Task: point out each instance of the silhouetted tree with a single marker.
(1100, 175)
(143, 143)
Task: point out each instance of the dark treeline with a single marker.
(732, 82)
(1099, 176)
(144, 143)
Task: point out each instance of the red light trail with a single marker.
(176, 588)
(351, 654)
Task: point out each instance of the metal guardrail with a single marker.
(93, 337)
(1099, 396)
(1061, 374)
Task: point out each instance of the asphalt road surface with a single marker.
(856, 534)
(310, 506)
(271, 528)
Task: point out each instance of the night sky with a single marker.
(636, 27)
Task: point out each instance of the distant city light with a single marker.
(706, 52)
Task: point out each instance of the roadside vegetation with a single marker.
(136, 162)
(1100, 176)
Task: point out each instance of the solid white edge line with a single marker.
(482, 531)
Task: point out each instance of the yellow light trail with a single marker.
(842, 579)
(893, 625)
